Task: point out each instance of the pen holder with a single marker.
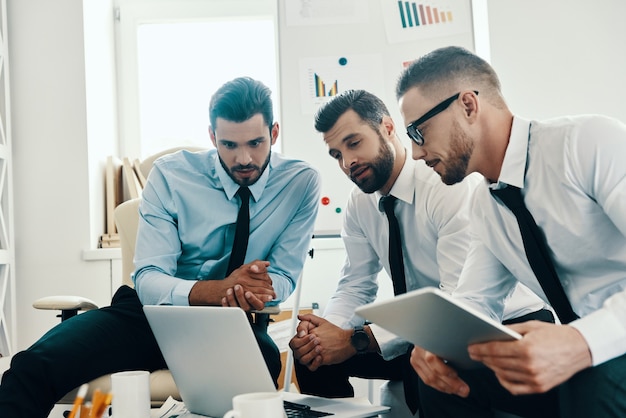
(131, 394)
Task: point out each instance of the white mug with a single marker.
(131, 394)
(257, 405)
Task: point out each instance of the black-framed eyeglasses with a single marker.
(414, 133)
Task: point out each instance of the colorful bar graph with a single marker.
(333, 89)
(320, 87)
(413, 14)
(417, 19)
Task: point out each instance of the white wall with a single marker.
(560, 56)
(362, 39)
(52, 223)
(571, 61)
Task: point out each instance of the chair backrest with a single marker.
(127, 219)
(146, 164)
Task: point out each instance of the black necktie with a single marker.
(242, 231)
(537, 253)
(396, 261)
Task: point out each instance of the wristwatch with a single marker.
(360, 340)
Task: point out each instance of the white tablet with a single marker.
(431, 319)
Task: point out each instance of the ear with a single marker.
(389, 126)
(470, 104)
(212, 136)
(274, 132)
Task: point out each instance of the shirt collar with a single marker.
(514, 164)
(231, 187)
(403, 188)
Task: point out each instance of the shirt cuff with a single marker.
(604, 333)
(391, 346)
(180, 294)
(341, 322)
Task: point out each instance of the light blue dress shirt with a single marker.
(187, 224)
(572, 173)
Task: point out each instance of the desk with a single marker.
(343, 408)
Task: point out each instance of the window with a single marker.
(174, 56)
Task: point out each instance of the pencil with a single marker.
(85, 410)
(104, 405)
(80, 397)
(96, 400)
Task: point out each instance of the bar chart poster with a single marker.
(408, 20)
(322, 78)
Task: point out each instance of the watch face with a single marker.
(360, 340)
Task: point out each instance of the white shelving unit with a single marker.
(7, 241)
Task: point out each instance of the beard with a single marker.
(381, 169)
(248, 181)
(456, 164)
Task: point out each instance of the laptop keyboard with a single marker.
(296, 410)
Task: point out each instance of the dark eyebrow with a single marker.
(258, 139)
(348, 137)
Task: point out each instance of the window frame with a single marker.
(130, 14)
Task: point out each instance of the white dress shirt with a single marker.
(572, 173)
(433, 219)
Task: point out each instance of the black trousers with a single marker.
(597, 392)
(107, 340)
(332, 381)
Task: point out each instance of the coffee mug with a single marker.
(257, 405)
(131, 394)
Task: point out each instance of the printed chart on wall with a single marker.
(321, 78)
(412, 20)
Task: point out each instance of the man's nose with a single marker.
(417, 151)
(348, 160)
(243, 156)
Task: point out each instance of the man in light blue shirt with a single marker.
(189, 207)
(186, 232)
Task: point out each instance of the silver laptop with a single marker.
(433, 320)
(213, 356)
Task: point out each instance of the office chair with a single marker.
(161, 382)
(126, 219)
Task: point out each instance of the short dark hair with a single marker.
(369, 108)
(240, 99)
(449, 66)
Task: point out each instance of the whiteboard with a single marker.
(328, 46)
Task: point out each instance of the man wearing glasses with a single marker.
(433, 220)
(564, 237)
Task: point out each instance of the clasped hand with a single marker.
(318, 342)
(248, 287)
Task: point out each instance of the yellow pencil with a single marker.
(96, 400)
(104, 405)
(85, 410)
(80, 397)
